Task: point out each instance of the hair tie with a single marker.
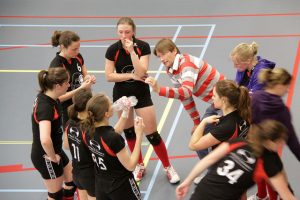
(44, 75)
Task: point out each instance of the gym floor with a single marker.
(208, 29)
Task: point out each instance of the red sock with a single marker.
(131, 144)
(261, 189)
(272, 194)
(162, 153)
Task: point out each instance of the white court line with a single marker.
(170, 135)
(87, 46)
(101, 26)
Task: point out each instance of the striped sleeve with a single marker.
(188, 76)
(190, 106)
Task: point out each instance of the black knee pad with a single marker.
(69, 192)
(130, 133)
(57, 195)
(154, 138)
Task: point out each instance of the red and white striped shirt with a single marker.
(191, 76)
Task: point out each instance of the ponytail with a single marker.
(47, 79)
(243, 105)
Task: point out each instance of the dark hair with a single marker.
(47, 79)
(80, 100)
(127, 20)
(272, 77)
(96, 107)
(165, 45)
(238, 97)
(64, 38)
(264, 131)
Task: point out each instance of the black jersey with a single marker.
(123, 63)
(46, 108)
(74, 67)
(80, 153)
(230, 177)
(104, 145)
(229, 127)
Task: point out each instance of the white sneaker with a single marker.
(255, 197)
(172, 175)
(139, 172)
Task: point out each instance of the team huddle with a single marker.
(239, 138)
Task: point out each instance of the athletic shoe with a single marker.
(172, 175)
(139, 172)
(255, 197)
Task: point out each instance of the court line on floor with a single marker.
(90, 71)
(6, 47)
(294, 74)
(151, 17)
(170, 135)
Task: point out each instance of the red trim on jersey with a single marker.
(139, 51)
(259, 172)
(206, 82)
(84, 137)
(34, 112)
(235, 134)
(107, 149)
(116, 56)
(80, 60)
(236, 145)
(55, 114)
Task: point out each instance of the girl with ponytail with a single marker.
(113, 163)
(234, 102)
(248, 64)
(47, 154)
(235, 164)
(268, 104)
(82, 162)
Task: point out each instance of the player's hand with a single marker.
(182, 190)
(128, 45)
(55, 159)
(153, 83)
(139, 126)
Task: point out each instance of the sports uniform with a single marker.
(46, 108)
(82, 162)
(191, 77)
(113, 180)
(230, 177)
(74, 68)
(123, 64)
(229, 127)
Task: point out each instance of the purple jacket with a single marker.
(253, 82)
(270, 106)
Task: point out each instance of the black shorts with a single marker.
(117, 189)
(140, 90)
(84, 179)
(48, 169)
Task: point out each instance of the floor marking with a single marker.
(294, 74)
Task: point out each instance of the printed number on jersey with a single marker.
(99, 162)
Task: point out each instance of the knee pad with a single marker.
(57, 195)
(154, 138)
(130, 133)
(69, 192)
